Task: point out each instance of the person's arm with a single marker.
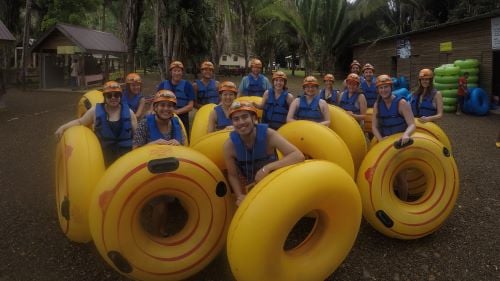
(140, 109)
(140, 135)
(438, 100)
(133, 120)
(85, 120)
(232, 171)
(265, 96)
(405, 111)
(291, 154)
(362, 108)
(291, 111)
(212, 121)
(289, 99)
(195, 91)
(375, 130)
(325, 112)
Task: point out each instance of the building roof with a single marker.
(5, 34)
(491, 14)
(88, 40)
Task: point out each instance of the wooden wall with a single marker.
(471, 40)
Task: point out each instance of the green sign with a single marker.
(67, 50)
(446, 47)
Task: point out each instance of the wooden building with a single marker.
(63, 43)
(471, 38)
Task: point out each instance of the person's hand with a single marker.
(240, 199)
(261, 174)
(159, 141)
(424, 119)
(173, 142)
(404, 139)
(59, 133)
(350, 113)
(229, 128)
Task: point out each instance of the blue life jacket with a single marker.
(131, 103)
(222, 120)
(370, 92)
(349, 103)
(250, 161)
(310, 111)
(180, 95)
(389, 120)
(207, 94)
(332, 99)
(105, 133)
(275, 110)
(424, 108)
(155, 134)
(255, 87)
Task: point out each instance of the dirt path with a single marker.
(34, 248)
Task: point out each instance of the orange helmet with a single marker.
(133, 78)
(352, 77)
(310, 81)
(279, 74)
(176, 64)
(329, 77)
(368, 66)
(383, 79)
(111, 87)
(241, 106)
(355, 62)
(164, 95)
(425, 73)
(227, 86)
(207, 65)
(256, 63)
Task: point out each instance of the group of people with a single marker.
(124, 121)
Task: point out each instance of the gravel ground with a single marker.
(33, 247)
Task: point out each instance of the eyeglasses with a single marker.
(113, 95)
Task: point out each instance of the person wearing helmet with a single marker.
(250, 151)
(132, 95)
(392, 115)
(426, 102)
(114, 123)
(309, 106)
(161, 126)
(276, 101)
(205, 89)
(367, 85)
(183, 90)
(219, 117)
(254, 84)
(355, 67)
(329, 94)
(352, 100)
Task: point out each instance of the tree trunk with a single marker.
(159, 37)
(26, 36)
(133, 15)
(165, 33)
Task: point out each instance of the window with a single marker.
(224, 58)
(235, 58)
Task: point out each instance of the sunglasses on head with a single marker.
(113, 95)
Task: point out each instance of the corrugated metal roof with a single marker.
(5, 33)
(89, 40)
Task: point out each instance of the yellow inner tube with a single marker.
(127, 187)
(79, 166)
(317, 141)
(413, 219)
(255, 99)
(87, 101)
(349, 130)
(211, 145)
(200, 122)
(261, 225)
